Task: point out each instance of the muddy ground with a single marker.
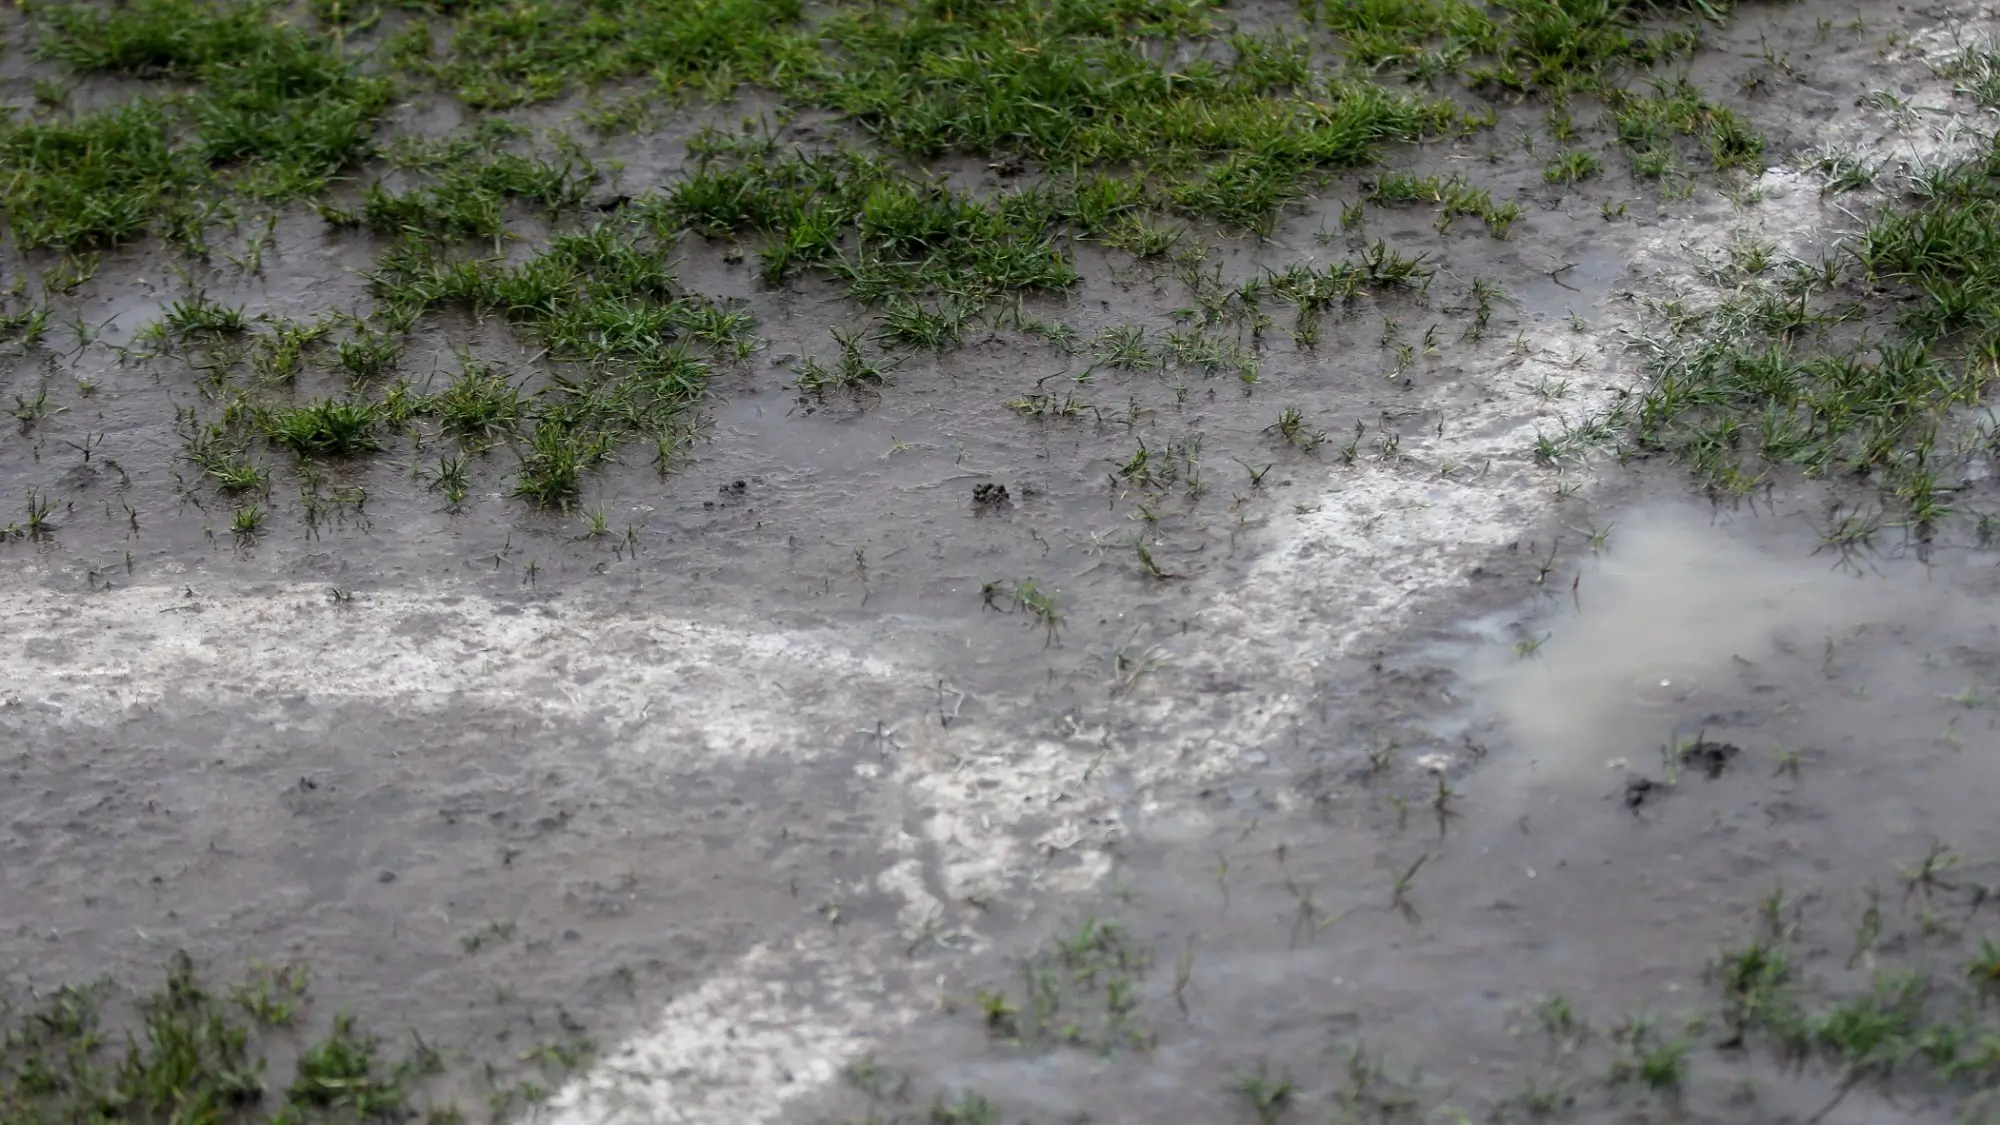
(771, 789)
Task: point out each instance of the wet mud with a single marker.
(1718, 721)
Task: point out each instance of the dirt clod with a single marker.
(1711, 758)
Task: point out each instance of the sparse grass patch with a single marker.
(1757, 988)
(1975, 70)
(1031, 598)
(452, 477)
(553, 462)
(467, 196)
(26, 325)
(191, 1057)
(1651, 1059)
(855, 372)
(1650, 124)
(1570, 166)
(198, 316)
(1292, 428)
(1314, 290)
(1042, 404)
(1557, 48)
(1854, 366)
(612, 314)
(272, 997)
(278, 357)
(1269, 1094)
(1908, 1024)
(1842, 169)
(1453, 197)
(368, 353)
(628, 346)
(238, 475)
(939, 327)
(1080, 991)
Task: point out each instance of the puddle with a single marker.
(1827, 728)
(1585, 279)
(1674, 622)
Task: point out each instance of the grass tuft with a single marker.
(327, 428)
(191, 1057)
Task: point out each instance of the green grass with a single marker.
(1650, 1059)
(327, 428)
(481, 405)
(628, 355)
(467, 196)
(1095, 83)
(26, 325)
(1655, 127)
(1907, 1024)
(1269, 1095)
(1618, 52)
(939, 326)
(878, 231)
(1124, 122)
(1453, 197)
(1554, 47)
(188, 1055)
(368, 353)
(1040, 604)
(1070, 84)
(1850, 366)
(1206, 117)
(1571, 166)
(273, 110)
(96, 179)
(1082, 990)
(198, 316)
(633, 351)
(248, 521)
(1138, 105)
(854, 372)
(507, 54)
(1863, 364)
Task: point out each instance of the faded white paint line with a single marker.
(777, 1026)
(88, 659)
(780, 1021)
